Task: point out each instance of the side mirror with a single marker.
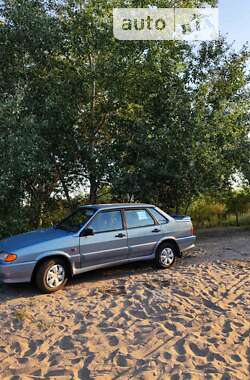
(88, 232)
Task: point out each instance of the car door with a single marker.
(143, 232)
(109, 244)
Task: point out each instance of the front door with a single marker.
(143, 232)
(109, 244)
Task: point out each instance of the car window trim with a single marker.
(87, 223)
(103, 211)
(74, 212)
(152, 215)
(161, 224)
(137, 209)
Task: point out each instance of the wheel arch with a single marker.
(44, 258)
(170, 240)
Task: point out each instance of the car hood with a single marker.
(28, 239)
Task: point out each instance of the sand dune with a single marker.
(136, 322)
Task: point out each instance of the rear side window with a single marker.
(138, 218)
(107, 221)
(158, 216)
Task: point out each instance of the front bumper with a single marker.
(16, 272)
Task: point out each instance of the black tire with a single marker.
(42, 275)
(171, 252)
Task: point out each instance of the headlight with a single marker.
(8, 257)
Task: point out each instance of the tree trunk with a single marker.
(35, 211)
(237, 219)
(93, 193)
(187, 206)
(66, 192)
(64, 185)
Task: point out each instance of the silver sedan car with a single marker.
(94, 236)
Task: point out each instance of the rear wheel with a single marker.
(166, 255)
(51, 275)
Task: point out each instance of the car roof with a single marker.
(118, 205)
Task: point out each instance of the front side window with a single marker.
(77, 220)
(107, 221)
(138, 218)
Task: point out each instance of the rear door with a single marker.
(143, 232)
(109, 243)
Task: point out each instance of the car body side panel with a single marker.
(29, 255)
(114, 263)
(186, 243)
(103, 248)
(59, 243)
(142, 241)
(181, 231)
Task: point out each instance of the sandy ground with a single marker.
(135, 322)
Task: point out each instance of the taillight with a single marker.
(193, 231)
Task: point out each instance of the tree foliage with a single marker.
(150, 121)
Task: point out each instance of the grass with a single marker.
(244, 220)
(226, 221)
(22, 315)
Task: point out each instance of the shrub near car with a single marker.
(93, 237)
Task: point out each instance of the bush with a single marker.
(238, 203)
(207, 212)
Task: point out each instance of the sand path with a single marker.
(136, 322)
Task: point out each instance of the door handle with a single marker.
(156, 230)
(121, 235)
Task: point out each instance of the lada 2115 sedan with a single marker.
(93, 237)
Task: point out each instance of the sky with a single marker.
(235, 21)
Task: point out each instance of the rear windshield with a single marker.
(77, 220)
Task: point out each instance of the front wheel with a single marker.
(166, 255)
(51, 275)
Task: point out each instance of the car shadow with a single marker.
(115, 272)
(98, 276)
(29, 290)
(13, 291)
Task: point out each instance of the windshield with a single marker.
(76, 221)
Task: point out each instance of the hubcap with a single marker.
(55, 276)
(167, 257)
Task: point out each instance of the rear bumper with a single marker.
(186, 243)
(188, 248)
(14, 273)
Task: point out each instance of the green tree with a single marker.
(151, 121)
(187, 124)
(238, 202)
